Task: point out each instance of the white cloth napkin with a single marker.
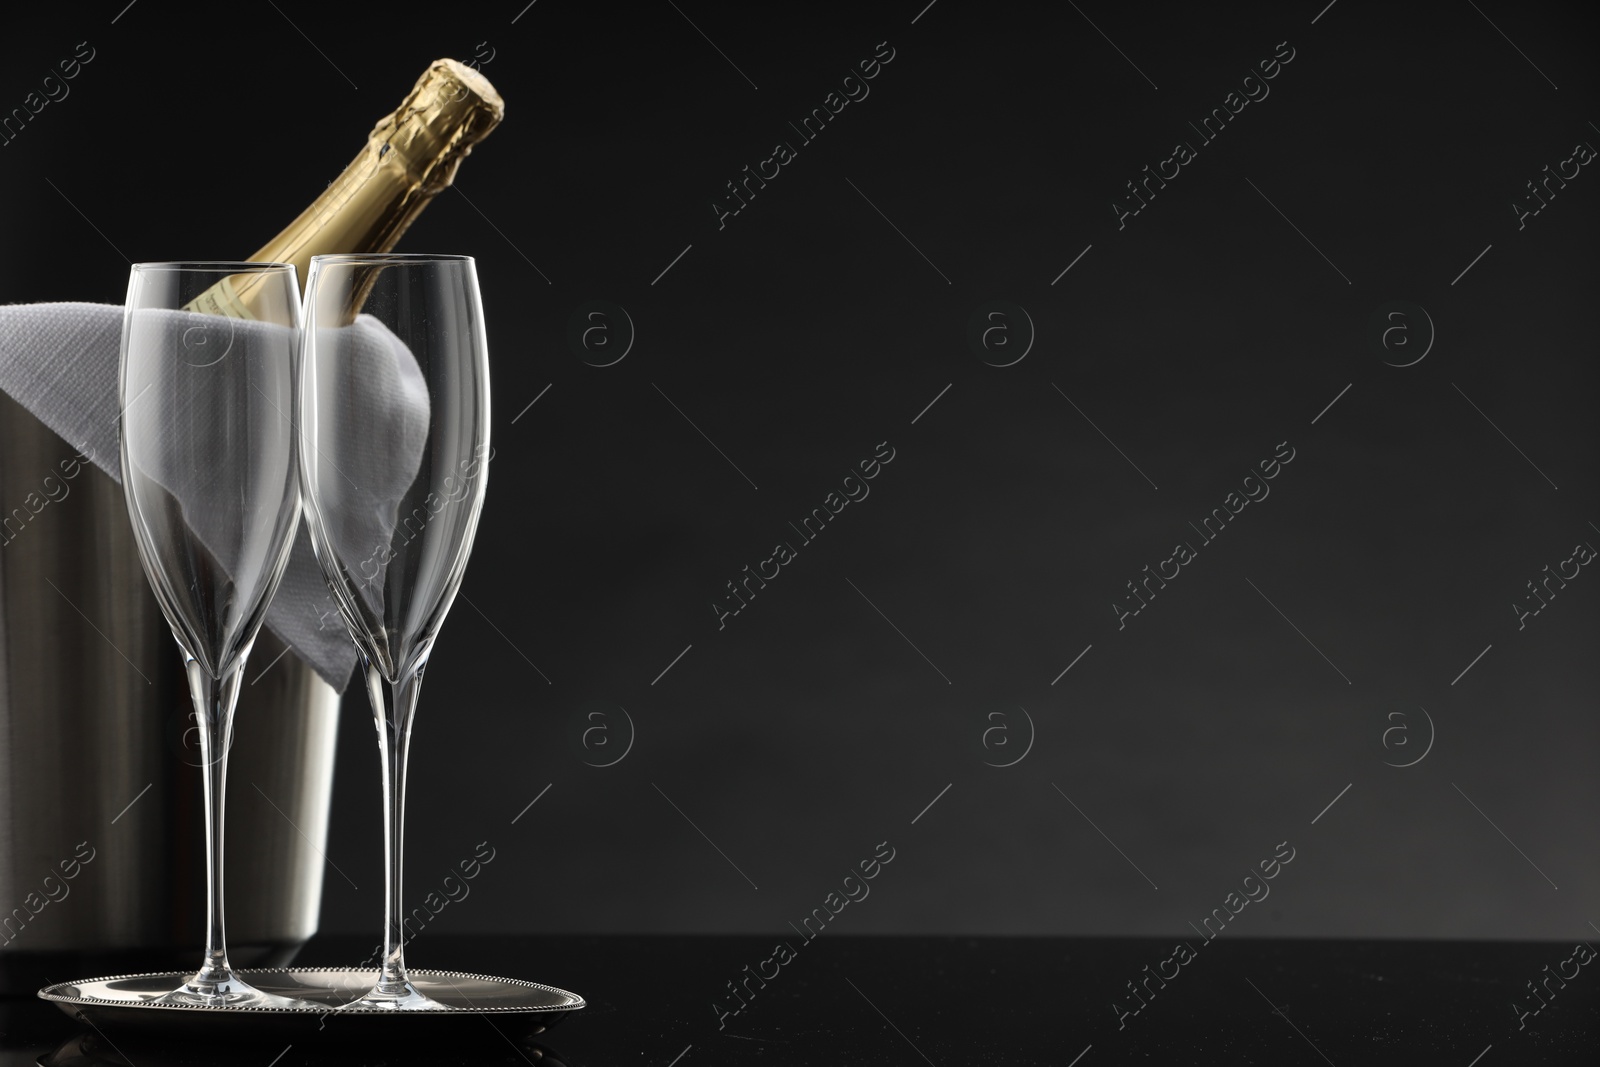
(60, 362)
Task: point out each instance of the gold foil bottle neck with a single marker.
(451, 108)
(410, 156)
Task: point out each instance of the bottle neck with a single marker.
(364, 209)
(411, 156)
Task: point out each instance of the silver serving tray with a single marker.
(127, 1002)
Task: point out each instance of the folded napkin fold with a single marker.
(60, 361)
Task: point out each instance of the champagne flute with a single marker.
(211, 480)
(394, 416)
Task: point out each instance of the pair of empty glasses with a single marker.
(366, 407)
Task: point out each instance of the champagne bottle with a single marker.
(410, 157)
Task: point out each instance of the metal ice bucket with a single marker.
(102, 853)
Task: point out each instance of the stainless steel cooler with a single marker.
(98, 757)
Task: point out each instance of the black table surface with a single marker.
(951, 1000)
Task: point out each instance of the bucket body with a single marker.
(102, 847)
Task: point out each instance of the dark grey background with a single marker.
(809, 330)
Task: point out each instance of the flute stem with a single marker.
(393, 717)
(214, 700)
